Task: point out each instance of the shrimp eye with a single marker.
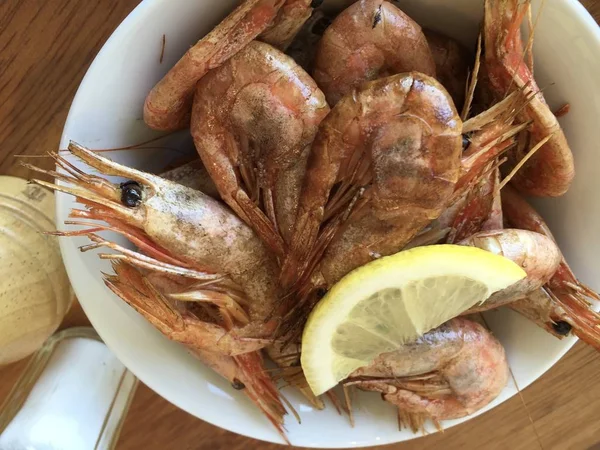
(131, 194)
(561, 327)
(465, 142)
(316, 3)
(321, 293)
(238, 385)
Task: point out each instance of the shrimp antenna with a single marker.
(472, 83)
(532, 27)
(139, 146)
(524, 160)
(529, 47)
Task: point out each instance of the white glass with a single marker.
(73, 395)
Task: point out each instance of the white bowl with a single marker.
(107, 113)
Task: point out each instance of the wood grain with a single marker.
(45, 49)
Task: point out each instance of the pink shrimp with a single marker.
(201, 276)
(169, 103)
(448, 373)
(375, 139)
(385, 163)
(550, 171)
(253, 122)
(370, 39)
(536, 254)
(566, 300)
(290, 19)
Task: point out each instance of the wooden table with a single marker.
(45, 49)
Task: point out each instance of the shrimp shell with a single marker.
(551, 170)
(289, 21)
(370, 39)
(535, 253)
(253, 121)
(448, 373)
(399, 139)
(567, 298)
(169, 103)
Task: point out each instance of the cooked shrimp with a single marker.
(193, 175)
(570, 298)
(192, 249)
(385, 163)
(169, 104)
(452, 62)
(536, 254)
(254, 119)
(550, 170)
(448, 373)
(394, 145)
(290, 19)
(370, 39)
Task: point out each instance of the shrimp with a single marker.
(254, 119)
(196, 252)
(451, 64)
(448, 373)
(193, 175)
(290, 19)
(550, 171)
(370, 39)
(394, 145)
(536, 254)
(169, 103)
(565, 302)
(385, 163)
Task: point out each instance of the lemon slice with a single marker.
(394, 300)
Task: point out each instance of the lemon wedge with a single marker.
(394, 300)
